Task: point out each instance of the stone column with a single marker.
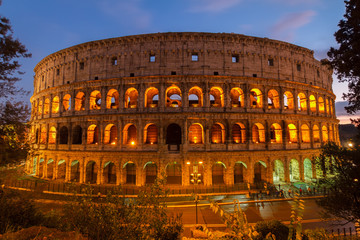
(287, 169)
(82, 171)
(301, 168)
(99, 176)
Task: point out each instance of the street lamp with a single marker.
(195, 179)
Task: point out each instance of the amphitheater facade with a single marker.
(230, 108)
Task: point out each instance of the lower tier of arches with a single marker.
(207, 168)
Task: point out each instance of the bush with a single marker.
(275, 227)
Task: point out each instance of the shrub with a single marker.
(275, 227)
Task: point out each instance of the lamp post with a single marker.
(195, 179)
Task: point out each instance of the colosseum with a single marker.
(229, 108)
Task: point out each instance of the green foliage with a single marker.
(297, 213)
(343, 199)
(275, 227)
(116, 217)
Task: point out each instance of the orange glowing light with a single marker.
(188, 163)
(132, 143)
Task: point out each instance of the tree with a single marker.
(346, 59)
(343, 199)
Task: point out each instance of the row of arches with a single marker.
(110, 172)
(174, 98)
(196, 134)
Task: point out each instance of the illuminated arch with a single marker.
(131, 98)
(130, 134)
(218, 173)
(275, 133)
(325, 134)
(196, 134)
(150, 172)
(151, 134)
(238, 133)
(216, 97)
(256, 98)
(316, 134)
(173, 96)
(112, 99)
(294, 170)
(305, 133)
(92, 134)
(52, 135)
(55, 105)
(302, 102)
(195, 97)
(66, 102)
(80, 101)
(288, 100)
(109, 172)
(237, 97)
(47, 106)
(218, 133)
(174, 173)
(312, 101)
(259, 171)
(321, 105)
(239, 169)
(40, 109)
(273, 99)
(75, 171)
(258, 133)
(327, 106)
(110, 134)
(91, 172)
(292, 133)
(43, 134)
(95, 100)
(278, 171)
(151, 97)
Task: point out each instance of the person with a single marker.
(289, 192)
(309, 190)
(300, 190)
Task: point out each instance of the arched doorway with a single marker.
(174, 173)
(308, 174)
(239, 172)
(130, 169)
(151, 172)
(61, 171)
(109, 173)
(294, 170)
(50, 168)
(278, 171)
(91, 172)
(173, 136)
(75, 171)
(259, 172)
(218, 170)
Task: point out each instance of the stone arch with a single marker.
(316, 134)
(66, 102)
(216, 97)
(40, 109)
(92, 134)
(218, 173)
(302, 102)
(294, 170)
(50, 168)
(237, 97)
(238, 133)
(80, 101)
(195, 97)
(239, 168)
(288, 100)
(41, 167)
(173, 96)
(34, 167)
(174, 173)
(150, 134)
(151, 97)
(110, 134)
(55, 105)
(173, 134)
(47, 106)
(305, 133)
(112, 99)
(61, 169)
(131, 98)
(150, 172)
(217, 133)
(258, 133)
(278, 171)
(292, 133)
(91, 172)
(273, 99)
(75, 171)
(196, 134)
(130, 172)
(259, 172)
(325, 134)
(64, 132)
(275, 133)
(321, 105)
(77, 135)
(95, 100)
(308, 172)
(312, 101)
(327, 106)
(52, 135)
(256, 98)
(43, 134)
(109, 172)
(130, 134)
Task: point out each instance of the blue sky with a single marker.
(46, 26)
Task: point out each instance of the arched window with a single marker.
(112, 99)
(110, 134)
(47, 106)
(66, 102)
(77, 135)
(40, 109)
(292, 133)
(52, 135)
(305, 133)
(131, 98)
(256, 98)
(216, 97)
(64, 135)
(331, 107)
(331, 133)
(238, 133)
(288, 100)
(321, 105)
(196, 134)
(80, 101)
(130, 134)
(275, 133)
(312, 101)
(258, 133)
(151, 97)
(237, 97)
(95, 100)
(43, 135)
(217, 133)
(316, 134)
(151, 134)
(325, 134)
(327, 106)
(55, 105)
(173, 134)
(92, 134)
(173, 96)
(195, 97)
(302, 103)
(273, 99)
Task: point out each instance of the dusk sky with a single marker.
(46, 26)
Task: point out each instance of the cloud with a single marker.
(297, 2)
(212, 5)
(286, 27)
(127, 12)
